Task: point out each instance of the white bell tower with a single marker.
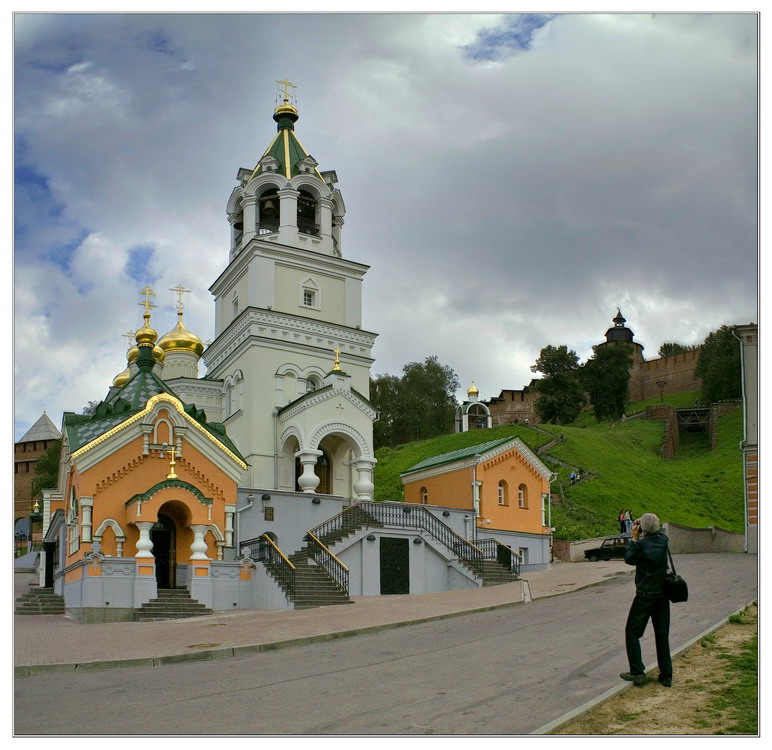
(289, 347)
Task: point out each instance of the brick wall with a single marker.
(514, 407)
(677, 370)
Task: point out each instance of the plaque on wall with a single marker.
(268, 513)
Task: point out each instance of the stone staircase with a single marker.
(313, 587)
(495, 573)
(40, 601)
(170, 604)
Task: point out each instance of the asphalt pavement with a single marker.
(44, 644)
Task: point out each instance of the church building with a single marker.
(252, 486)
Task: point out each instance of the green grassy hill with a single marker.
(697, 487)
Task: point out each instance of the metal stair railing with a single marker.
(407, 515)
(263, 549)
(493, 549)
(334, 568)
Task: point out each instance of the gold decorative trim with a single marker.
(287, 165)
(327, 550)
(284, 557)
(177, 404)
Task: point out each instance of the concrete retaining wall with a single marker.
(684, 540)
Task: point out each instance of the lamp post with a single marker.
(661, 385)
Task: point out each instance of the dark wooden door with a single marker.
(395, 565)
(164, 547)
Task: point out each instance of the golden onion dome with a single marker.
(473, 391)
(159, 355)
(181, 339)
(146, 334)
(285, 109)
(132, 354)
(122, 378)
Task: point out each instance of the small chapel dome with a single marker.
(181, 339)
(122, 378)
(473, 390)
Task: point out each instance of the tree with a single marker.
(385, 395)
(419, 405)
(718, 366)
(606, 377)
(561, 396)
(670, 348)
(47, 468)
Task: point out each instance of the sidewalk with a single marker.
(48, 643)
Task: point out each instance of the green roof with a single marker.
(459, 455)
(285, 147)
(127, 401)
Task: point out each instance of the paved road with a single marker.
(507, 671)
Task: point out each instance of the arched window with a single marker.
(235, 305)
(313, 383)
(307, 213)
(522, 496)
(424, 496)
(503, 493)
(478, 417)
(230, 400)
(268, 220)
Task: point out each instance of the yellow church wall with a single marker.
(127, 472)
(452, 490)
(513, 469)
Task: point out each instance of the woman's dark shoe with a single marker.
(636, 679)
(665, 681)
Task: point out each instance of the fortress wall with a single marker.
(677, 369)
(514, 407)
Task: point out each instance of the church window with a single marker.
(310, 296)
(268, 221)
(235, 305)
(313, 383)
(522, 496)
(503, 493)
(424, 496)
(307, 213)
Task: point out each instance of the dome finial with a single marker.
(286, 115)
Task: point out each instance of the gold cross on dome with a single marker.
(287, 93)
(180, 290)
(336, 366)
(129, 336)
(147, 291)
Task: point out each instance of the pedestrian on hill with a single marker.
(628, 521)
(572, 477)
(648, 552)
(622, 524)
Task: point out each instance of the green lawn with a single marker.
(696, 488)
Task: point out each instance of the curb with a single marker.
(232, 651)
(577, 713)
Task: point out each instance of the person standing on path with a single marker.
(648, 552)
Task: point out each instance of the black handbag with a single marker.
(675, 586)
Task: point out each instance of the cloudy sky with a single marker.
(510, 179)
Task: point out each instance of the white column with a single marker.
(198, 547)
(325, 218)
(288, 215)
(230, 511)
(144, 543)
(250, 218)
(87, 503)
(363, 487)
(308, 481)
